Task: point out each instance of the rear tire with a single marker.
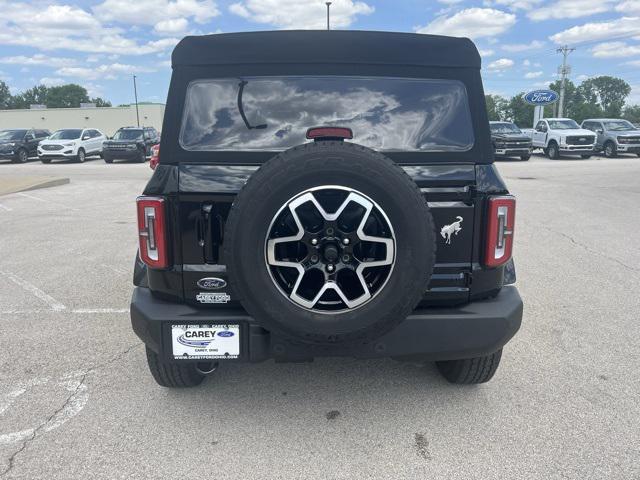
(610, 150)
(469, 371)
(553, 151)
(142, 157)
(586, 157)
(108, 160)
(45, 160)
(525, 157)
(173, 375)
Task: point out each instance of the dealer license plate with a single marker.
(195, 342)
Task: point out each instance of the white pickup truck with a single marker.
(562, 136)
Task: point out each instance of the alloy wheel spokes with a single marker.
(329, 273)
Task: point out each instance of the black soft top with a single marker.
(326, 46)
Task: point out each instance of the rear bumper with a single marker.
(475, 329)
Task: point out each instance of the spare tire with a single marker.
(329, 242)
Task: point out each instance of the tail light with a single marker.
(155, 157)
(501, 216)
(152, 232)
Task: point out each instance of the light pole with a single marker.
(135, 93)
(328, 6)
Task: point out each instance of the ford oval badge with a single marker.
(541, 97)
(225, 333)
(211, 283)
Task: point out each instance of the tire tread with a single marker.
(172, 375)
(469, 371)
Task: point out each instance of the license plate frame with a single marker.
(202, 342)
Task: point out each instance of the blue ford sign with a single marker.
(541, 97)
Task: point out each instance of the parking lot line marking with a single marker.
(48, 202)
(48, 299)
(4, 207)
(100, 310)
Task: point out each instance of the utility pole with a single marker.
(328, 6)
(564, 70)
(135, 92)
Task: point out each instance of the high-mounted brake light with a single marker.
(501, 216)
(152, 231)
(329, 133)
(155, 157)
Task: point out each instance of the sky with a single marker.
(101, 44)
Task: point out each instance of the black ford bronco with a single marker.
(325, 193)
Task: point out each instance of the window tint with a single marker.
(563, 124)
(619, 125)
(504, 127)
(12, 134)
(128, 134)
(70, 134)
(274, 113)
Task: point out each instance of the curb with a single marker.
(25, 183)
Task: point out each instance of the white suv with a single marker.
(76, 143)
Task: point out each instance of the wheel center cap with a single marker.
(330, 252)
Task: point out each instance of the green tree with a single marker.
(608, 93)
(67, 96)
(5, 96)
(519, 111)
(632, 113)
(496, 106)
(33, 96)
(572, 100)
(100, 102)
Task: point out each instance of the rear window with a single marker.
(274, 113)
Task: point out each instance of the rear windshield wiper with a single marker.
(241, 86)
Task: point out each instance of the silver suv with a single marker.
(614, 136)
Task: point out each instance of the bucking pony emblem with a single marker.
(451, 229)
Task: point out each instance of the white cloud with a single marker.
(500, 65)
(515, 4)
(521, 47)
(561, 9)
(37, 59)
(171, 26)
(303, 14)
(526, 63)
(629, 7)
(634, 96)
(150, 12)
(486, 53)
(530, 75)
(107, 72)
(633, 63)
(615, 49)
(52, 81)
(67, 28)
(450, 2)
(472, 23)
(598, 31)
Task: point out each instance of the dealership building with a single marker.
(105, 119)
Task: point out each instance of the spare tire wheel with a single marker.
(329, 242)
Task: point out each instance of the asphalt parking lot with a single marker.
(77, 401)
